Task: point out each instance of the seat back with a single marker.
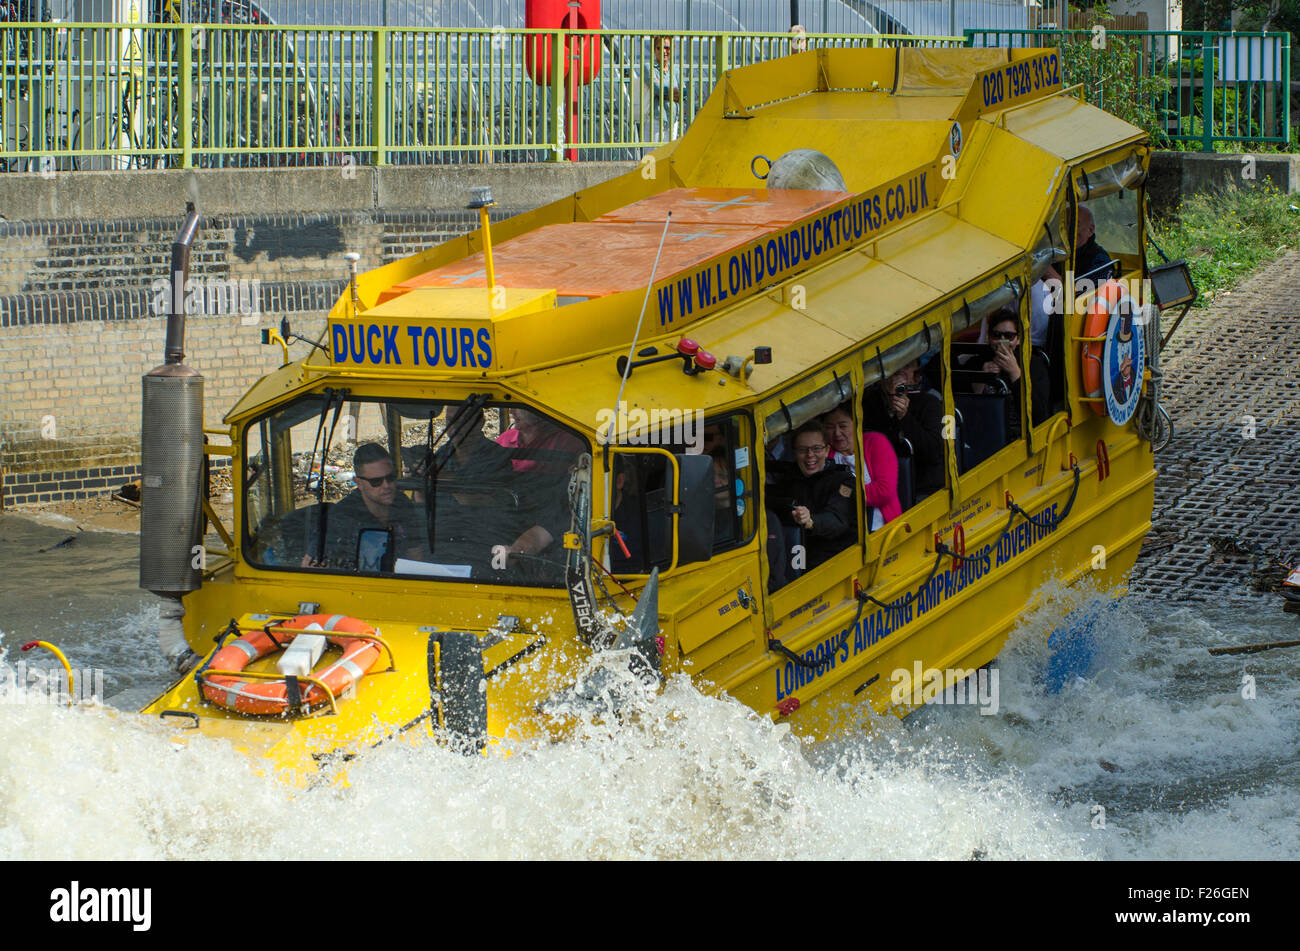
(906, 474)
(984, 428)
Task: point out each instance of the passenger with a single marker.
(713, 437)
(818, 499)
(376, 503)
(837, 426)
(475, 506)
(1005, 340)
(532, 432)
(1044, 304)
(880, 471)
(778, 554)
(664, 84)
(1091, 262)
(879, 480)
(900, 408)
(798, 39)
(721, 477)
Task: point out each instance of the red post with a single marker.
(580, 59)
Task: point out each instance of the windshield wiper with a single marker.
(435, 459)
(334, 398)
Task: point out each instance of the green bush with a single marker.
(1225, 235)
(1114, 75)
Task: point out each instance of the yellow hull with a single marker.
(940, 236)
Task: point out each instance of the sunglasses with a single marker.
(377, 481)
(1003, 335)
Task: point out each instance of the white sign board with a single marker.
(1249, 59)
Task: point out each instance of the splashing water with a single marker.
(1158, 734)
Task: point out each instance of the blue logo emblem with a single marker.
(1122, 361)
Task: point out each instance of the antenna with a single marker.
(481, 198)
(627, 370)
(352, 258)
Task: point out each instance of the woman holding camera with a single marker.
(1004, 338)
(899, 407)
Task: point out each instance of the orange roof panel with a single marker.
(768, 210)
(616, 251)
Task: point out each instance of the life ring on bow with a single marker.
(1111, 299)
(271, 697)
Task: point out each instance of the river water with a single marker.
(1162, 753)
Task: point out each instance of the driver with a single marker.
(376, 503)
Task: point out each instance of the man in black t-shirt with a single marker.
(376, 503)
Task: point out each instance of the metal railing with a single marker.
(1189, 88)
(816, 16)
(97, 96)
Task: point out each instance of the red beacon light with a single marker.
(694, 360)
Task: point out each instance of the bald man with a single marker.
(1091, 262)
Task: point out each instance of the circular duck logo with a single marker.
(1122, 363)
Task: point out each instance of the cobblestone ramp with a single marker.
(1219, 492)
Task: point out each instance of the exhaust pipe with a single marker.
(173, 484)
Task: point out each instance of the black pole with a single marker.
(794, 13)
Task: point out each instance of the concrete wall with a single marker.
(1176, 175)
(79, 253)
(81, 319)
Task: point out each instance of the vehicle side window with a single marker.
(813, 497)
(729, 442)
(906, 408)
(642, 494)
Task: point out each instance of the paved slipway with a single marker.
(1228, 483)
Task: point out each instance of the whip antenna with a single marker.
(627, 370)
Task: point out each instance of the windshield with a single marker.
(472, 490)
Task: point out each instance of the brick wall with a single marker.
(80, 324)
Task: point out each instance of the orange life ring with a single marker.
(271, 697)
(1108, 301)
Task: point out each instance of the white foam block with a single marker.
(300, 657)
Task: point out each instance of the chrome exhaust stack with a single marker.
(173, 483)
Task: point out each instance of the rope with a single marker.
(781, 649)
(941, 550)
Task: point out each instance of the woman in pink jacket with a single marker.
(879, 469)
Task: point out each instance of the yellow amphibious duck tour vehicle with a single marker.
(575, 436)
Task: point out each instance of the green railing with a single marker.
(97, 96)
(1188, 89)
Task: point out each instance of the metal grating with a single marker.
(1218, 492)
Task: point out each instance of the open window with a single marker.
(902, 400)
(1108, 221)
(812, 496)
(988, 403)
